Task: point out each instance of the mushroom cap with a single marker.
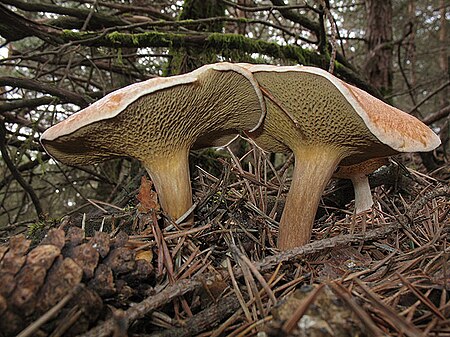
(330, 111)
(206, 107)
(363, 168)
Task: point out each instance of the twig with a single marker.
(205, 319)
(272, 98)
(292, 322)
(332, 36)
(321, 245)
(31, 329)
(146, 306)
(442, 87)
(28, 83)
(430, 119)
(398, 321)
(264, 8)
(16, 174)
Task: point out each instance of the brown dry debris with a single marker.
(382, 273)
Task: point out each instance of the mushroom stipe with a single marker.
(158, 121)
(324, 121)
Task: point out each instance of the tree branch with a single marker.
(430, 119)
(25, 103)
(133, 9)
(99, 20)
(440, 88)
(24, 167)
(205, 319)
(14, 27)
(26, 83)
(217, 42)
(16, 174)
(297, 18)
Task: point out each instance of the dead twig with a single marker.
(205, 319)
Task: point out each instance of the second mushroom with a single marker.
(326, 122)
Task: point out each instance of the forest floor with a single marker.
(382, 273)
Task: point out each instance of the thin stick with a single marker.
(291, 323)
(33, 327)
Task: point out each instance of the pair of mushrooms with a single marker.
(324, 121)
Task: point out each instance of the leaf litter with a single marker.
(380, 273)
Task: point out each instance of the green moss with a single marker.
(218, 39)
(239, 42)
(38, 230)
(186, 22)
(235, 47)
(119, 56)
(35, 227)
(203, 9)
(148, 39)
(187, 58)
(135, 40)
(71, 35)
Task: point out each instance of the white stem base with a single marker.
(363, 195)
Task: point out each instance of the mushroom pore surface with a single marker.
(156, 125)
(160, 128)
(309, 115)
(325, 117)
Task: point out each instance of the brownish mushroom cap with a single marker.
(326, 122)
(158, 121)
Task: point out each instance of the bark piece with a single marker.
(325, 315)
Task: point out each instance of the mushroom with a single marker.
(357, 173)
(326, 122)
(158, 121)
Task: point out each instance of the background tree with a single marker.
(59, 56)
(378, 65)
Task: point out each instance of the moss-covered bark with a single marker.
(188, 58)
(218, 43)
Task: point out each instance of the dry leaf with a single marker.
(148, 199)
(144, 255)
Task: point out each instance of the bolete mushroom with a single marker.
(326, 122)
(158, 121)
(357, 173)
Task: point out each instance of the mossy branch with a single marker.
(216, 41)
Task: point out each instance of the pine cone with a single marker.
(69, 268)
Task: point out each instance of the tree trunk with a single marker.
(411, 49)
(378, 67)
(189, 58)
(443, 57)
